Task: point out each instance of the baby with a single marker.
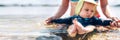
(84, 22)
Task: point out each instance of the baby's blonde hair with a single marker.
(81, 3)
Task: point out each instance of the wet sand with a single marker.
(27, 23)
(23, 23)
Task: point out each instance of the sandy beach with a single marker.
(26, 22)
(23, 23)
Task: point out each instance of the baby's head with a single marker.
(88, 9)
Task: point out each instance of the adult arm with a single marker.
(62, 9)
(104, 4)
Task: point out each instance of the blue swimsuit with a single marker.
(74, 0)
(84, 21)
(78, 0)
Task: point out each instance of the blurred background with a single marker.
(26, 15)
(18, 17)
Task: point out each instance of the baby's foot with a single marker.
(72, 31)
(79, 26)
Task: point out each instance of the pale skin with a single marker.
(65, 4)
(87, 11)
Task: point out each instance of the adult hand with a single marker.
(115, 18)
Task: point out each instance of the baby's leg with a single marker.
(86, 29)
(78, 26)
(72, 31)
(89, 28)
(81, 29)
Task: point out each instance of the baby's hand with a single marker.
(115, 23)
(118, 22)
(48, 21)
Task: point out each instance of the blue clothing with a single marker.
(96, 0)
(84, 21)
(78, 0)
(74, 0)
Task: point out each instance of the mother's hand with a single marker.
(115, 18)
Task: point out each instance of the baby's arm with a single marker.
(106, 22)
(102, 22)
(62, 21)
